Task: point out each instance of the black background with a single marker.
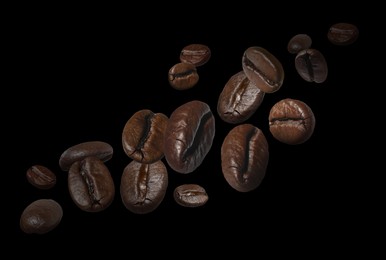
(79, 76)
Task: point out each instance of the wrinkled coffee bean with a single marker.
(102, 150)
(291, 121)
(143, 186)
(343, 33)
(311, 65)
(183, 76)
(41, 177)
(90, 184)
(196, 54)
(244, 157)
(41, 216)
(190, 195)
(143, 136)
(189, 136)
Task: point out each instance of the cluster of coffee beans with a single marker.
(185, 138)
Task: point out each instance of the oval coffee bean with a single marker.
(102, 150)
(244, 157)
(189, 136)
(291, 121)
(143, 136)
(196, 54)
(41, 177)
(90, 184)
(263, 69)
(143, 186)
(183, 76)
(41, 216)
(190, 195)
(239, 99)
(299, 42)
(311, 65)
(343, 33)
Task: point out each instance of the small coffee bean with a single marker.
(291, 121)
(196, 54)
(299, 42)
(41, 216)
(311, 65)
(41, 177)
(190, 195)
(183, 76)
(343, 33)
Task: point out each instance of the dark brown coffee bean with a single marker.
(41, 177)
(189, 136)
(299, 42)
(244, 157)
(143, 186)
(183, 76)
(263, 69)
(343, 33)
(102, 150)
(291, 121)
(90, 184)
(311, 65)
(190, 195)
(41, 216)
(143, 136)
(239, 99)
(196, 54)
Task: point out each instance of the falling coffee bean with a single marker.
(190, 195)
(343, 33)
(311, 65)
(196, 54)
(183, 76)
(41, 177)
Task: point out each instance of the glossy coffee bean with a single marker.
(291, 121)
(343, 33)
(311, 65)
(196, 54)
(143, 136)
(263, 69)
(189, 136)
(244, 157)
(91, 185)
(41, 177)
(41, 216)
(102, 150)
(143, 186)
(298, 43)
(190, 195)
(239, 99)
(183, 76)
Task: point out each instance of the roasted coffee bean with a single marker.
(343, 33)
(90, 184)
(190, 195)
(299, 42)
(183, 76)
(196, 54)
(291, 121)
(263, 69)
(41, 216)
(189, 136)
(244, 157)
(311, 65)
(102, 150)
(239, 99)
(41, 177)
(143, 136)
(143, 186)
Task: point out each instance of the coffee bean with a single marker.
(41, 177)
(102, 150)
(291, 121)
(143, 136)
(263, 69)
(41, 216)
(299, 42)
(183, 76)
(143, 186)
(239, 99)
(244, 157)
(311, 65)
(189, 136)
(196, 54)
(90, 184)
(190, 195)
(343, 33)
